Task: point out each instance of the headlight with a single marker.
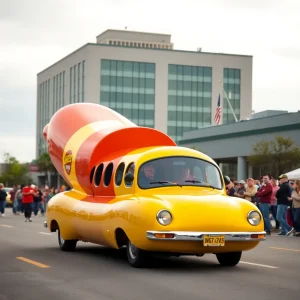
(164, 217)
(254, 218)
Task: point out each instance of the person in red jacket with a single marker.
(265, 196)
(27, 201)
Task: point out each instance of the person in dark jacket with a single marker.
(3, 196)
(283, 203)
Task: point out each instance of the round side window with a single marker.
(98, 175)
(119, 174)
(130, 169)
(108, 173)
(92, 174)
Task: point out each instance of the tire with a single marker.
(136, 257)
(229, 259)
(66, 245)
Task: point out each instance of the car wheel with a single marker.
(137, 258)
(66, 245)
(229, 259)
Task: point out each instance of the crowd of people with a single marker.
(276, 198)
(28, 199)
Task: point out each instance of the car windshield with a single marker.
(179, 171)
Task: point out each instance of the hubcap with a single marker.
(132, 251)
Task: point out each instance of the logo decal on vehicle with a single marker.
(68, 161)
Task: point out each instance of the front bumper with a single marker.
(199, 236)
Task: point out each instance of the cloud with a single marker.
(21, 147)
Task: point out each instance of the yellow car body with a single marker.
(197, 211)
(182, 210)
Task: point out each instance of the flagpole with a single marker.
(228, 101)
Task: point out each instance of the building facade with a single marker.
(141, 76)
(230, 144)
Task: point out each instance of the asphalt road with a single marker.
(271, 271)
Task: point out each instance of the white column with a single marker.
(241, 168)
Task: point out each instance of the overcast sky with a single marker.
(36, 33)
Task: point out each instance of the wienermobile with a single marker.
(133, 187)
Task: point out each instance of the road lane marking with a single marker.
(6, 225)
(47, 233)
(286, 249)
(259, 265)
(33, 262)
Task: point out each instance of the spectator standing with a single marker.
(18, 199)
(230, 189)
(241, 189)
(3, 196)
(265, 194)
(12, 197)
(48, 194)
(27, 201)
(274, 201)
(283, 195)
(37, 201)
(251, 191)
(295, 197)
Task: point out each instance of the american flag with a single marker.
(218, 112)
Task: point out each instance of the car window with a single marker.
(130, 169)
(119, 174)
(186, 171)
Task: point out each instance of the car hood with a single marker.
(209, 212)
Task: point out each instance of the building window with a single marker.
(83, 81)
(44, 112)
(71, 85)
(77, 82)
(74, 83)
(232, 86)
(64, 88)
(189, 99)
(129, 88)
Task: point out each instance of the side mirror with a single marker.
(128, 178)
(226, 179)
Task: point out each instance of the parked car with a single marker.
(8, 198)
(133, 186)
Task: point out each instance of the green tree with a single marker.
(14, 172)
(46, 166)
(276, 157)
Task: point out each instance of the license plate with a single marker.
(217, 240)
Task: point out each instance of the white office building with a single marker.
(143, 77)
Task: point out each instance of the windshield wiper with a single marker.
(198, 181)
(164, 182)
(194, 181)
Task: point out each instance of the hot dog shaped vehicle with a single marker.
(133, 186)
